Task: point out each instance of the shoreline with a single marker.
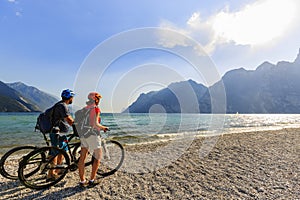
(254, 165)
(164, 137)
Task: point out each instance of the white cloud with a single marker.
(195, 20)
(256, 24)
(169, 39)
(18, 14)
(196, 29)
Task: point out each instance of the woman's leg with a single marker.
(81, 163)
(97, 155)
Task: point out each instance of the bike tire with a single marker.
(76, 155)
(111, 163)
(9, 162)
(41, 162)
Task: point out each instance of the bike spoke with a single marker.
(10, 161)
(37, 169)
(112, 158)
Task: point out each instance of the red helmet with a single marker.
(94, 96)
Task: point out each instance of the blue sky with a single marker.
(46, 43)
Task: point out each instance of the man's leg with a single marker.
(54, 143)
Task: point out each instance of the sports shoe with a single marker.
(51, 178)
(84, 184)
(93, 183)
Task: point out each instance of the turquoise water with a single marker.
(18, 128)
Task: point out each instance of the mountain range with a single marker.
(18, 97)
(268, 89)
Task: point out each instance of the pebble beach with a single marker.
(256, 165)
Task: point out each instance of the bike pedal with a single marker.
(61, 166)
(73, 167)
(106, 157)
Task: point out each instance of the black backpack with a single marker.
(82, 121)
(44, 121)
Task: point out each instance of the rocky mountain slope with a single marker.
(18, 97)
(268, 89)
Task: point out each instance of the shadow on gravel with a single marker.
(9, 188)
(13, 189)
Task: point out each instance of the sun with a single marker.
(257, 23)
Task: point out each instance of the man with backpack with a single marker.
(90, 139)
(61, 121)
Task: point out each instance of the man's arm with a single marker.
(69, 119)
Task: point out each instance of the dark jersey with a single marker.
(60, 112)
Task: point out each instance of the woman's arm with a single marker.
(97, 124)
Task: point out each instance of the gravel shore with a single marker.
(257, 165)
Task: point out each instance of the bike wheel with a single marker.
(35, 166)
(112, 158)
(76, 155)
(9, 162)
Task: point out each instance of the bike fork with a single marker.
(105, 151)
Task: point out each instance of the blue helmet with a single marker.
(67, 94)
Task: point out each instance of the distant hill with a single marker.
(167, 100)
(41, 99)
(268, 89)
(12, 101)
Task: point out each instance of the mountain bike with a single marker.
(9, 162)
(33, 168)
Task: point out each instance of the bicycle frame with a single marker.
(35, 167)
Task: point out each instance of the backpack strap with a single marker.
(91, 109)
(88, 112)
(52, 114)
(86, 120)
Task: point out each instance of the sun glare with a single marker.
(256, 24)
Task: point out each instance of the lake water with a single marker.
(18, 128)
